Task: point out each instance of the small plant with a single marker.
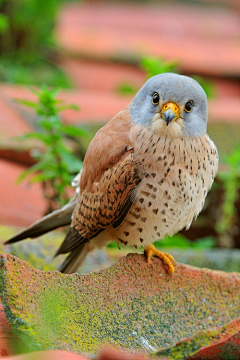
(55, 163)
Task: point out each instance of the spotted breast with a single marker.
(177, 176)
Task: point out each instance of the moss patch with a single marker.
(132, 305)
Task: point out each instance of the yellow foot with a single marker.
(167, 259)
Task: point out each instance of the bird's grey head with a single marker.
(172, 105)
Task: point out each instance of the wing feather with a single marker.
(107, 185)
(110, 199)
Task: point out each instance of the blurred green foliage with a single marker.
(3, 23)
(207, 86)
(40, 72)
(28, 26)
(153, 66)
(126, 88)
(178, 241)
(230, 183)
(56, 165)
(27, 47)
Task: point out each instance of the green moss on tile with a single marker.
(132, 305)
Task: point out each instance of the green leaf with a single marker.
(74, 131)
(74, 164)
(50, 123)
(39, 136)
(28, 103)
(207, 242)
(126, 89)
(32, 169)
(67, 107)
(35, 92)
(154, 66)
(43, 176)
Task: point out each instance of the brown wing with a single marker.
(109, 201)
(106, 149)
(108, 180)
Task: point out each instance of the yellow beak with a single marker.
(170, 112)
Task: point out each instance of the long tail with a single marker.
(75, 259)
(50, 222)
(57, 218)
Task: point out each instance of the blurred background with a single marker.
(67, 67)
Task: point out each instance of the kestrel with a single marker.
(145, 175)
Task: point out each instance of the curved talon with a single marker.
(167, 259)
(171, 258)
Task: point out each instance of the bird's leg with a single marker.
(167, 259)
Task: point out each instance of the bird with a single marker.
(145, 175)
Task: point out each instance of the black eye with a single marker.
(155, 98)
(188, 106)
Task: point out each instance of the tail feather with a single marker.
(71, 241)
(57, 218)
(75, 259)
